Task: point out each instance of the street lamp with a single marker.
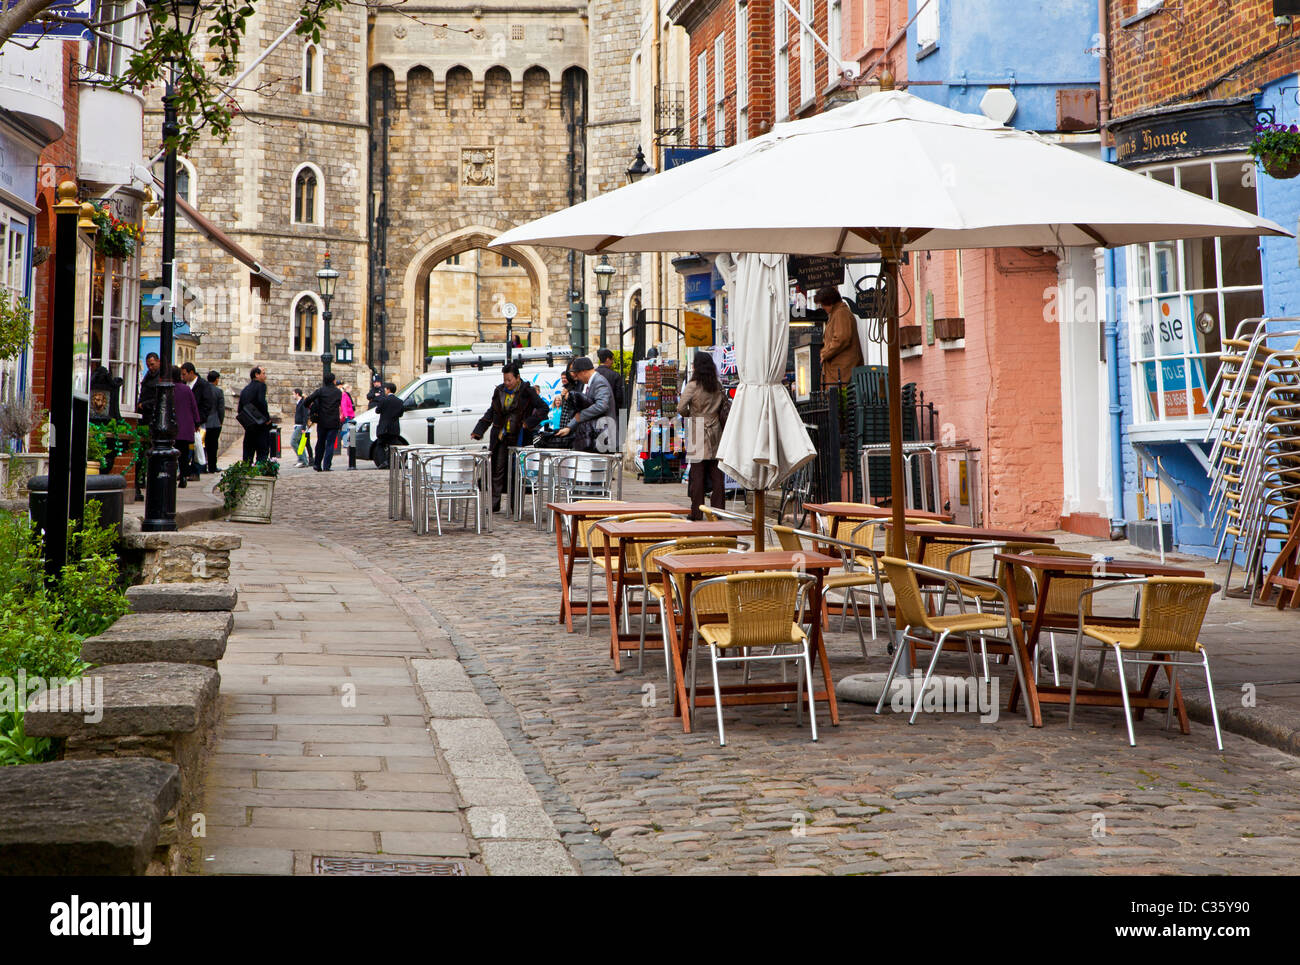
(604, 277)
(161, 473)
(325, 280)
(639, 168)
(343, 352)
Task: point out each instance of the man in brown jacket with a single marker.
(841, 348)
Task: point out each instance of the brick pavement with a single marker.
(621, 782)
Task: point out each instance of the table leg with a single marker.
(613, 593)
(820, 651)
(1023, 642)
(676, 648)
(566, 570)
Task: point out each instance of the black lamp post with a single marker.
(604, 276)
(160, 481)
(325, 279)
(638, 168)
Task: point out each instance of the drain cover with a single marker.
(321, 865)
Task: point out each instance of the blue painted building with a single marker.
(960, 49)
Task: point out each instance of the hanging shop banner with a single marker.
(699, 287)
(1169, 133)
(677, 156)
(699, 329)
(62, 18)
(811, 272)
(1175, 336)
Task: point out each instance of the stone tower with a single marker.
(479, 122)
(289, 185)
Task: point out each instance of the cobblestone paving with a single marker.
(947, 795)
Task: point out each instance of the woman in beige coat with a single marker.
(841, 347)
(702, 405)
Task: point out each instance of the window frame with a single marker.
(319, 305)
(124, 34)
(313, 75)
(742, 70)
(1142, 291)
(318, 199)
(834, 40)
(807, 53)
(719, 90)
(702, 98)
(929, 26)
(182, 164)
(782, 44)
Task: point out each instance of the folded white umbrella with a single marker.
(764, 439)
(888, 173)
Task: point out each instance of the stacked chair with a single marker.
(1255, 456)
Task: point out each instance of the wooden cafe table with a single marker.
(701, 567)
(1047, 568)
(960, 536)
(640, 531)
(567, 518)
(833, 513)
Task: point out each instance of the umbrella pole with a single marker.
(760, 518)
(891, 250)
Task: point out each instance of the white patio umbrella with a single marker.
(887, 174)
(764, 439)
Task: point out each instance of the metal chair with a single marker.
(586, 528)
(455, 477)
(1173, 610)
(584, 475)
(911, 614)
(653, 588)
(764, 610)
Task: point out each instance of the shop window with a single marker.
(1185, 297)
(305, 315)
(114, 337)
(15, 276)
(307, 195)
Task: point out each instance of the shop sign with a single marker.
(699, 288)
(1175, 335)
(698, 328)
(811, 272)
(1201, 130)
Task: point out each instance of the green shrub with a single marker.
(16, 747)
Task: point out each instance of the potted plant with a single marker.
(115, 238)
(17, 421)
(248, 490)
(1277, 147)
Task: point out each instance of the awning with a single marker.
(225, 242)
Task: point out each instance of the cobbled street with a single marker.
(629, 792)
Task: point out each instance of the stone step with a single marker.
(84, 817)
(170, 597)
(175, 637)
(132, 699)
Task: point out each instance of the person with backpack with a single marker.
(324, 405)
(255, 417)
(704, 404)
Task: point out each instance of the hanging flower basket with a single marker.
(115, 238)
(1277, 147)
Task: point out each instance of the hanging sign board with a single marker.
(811, 272)
(698, 328)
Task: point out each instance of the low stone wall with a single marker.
(185, 556)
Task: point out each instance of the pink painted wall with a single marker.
(1002, 390)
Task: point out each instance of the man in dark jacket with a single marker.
(212, 428)
(516, 411)
(612, 376)
(389, 428)
(255, 417)
(147, 400)
(323, 404)
(205, 399)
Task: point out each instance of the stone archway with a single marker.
(438, 250)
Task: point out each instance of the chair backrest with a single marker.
(788, 538)
(586, 526)
(713, 601)
(761, 607)
(909, 605)
(1173, 609)
(1063, 592)
(683, 544)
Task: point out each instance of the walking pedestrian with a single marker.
(206, 400)
(301, 439)
(187, 423)
(147, 400)
(513, 415)
(593, 427)
(217, 418)
(389, 429)
(255, 417)
(841, 347)
(348, 432)
(324, 404)
(704, 404)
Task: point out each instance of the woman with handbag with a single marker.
(704, 405)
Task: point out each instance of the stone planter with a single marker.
(255, 507)
(22, 467)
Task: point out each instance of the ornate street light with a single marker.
(604, 277)
(161, 472)
(639, 168)
(326, 277)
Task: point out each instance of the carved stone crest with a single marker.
(478, 167)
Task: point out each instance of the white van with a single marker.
(442, 406)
